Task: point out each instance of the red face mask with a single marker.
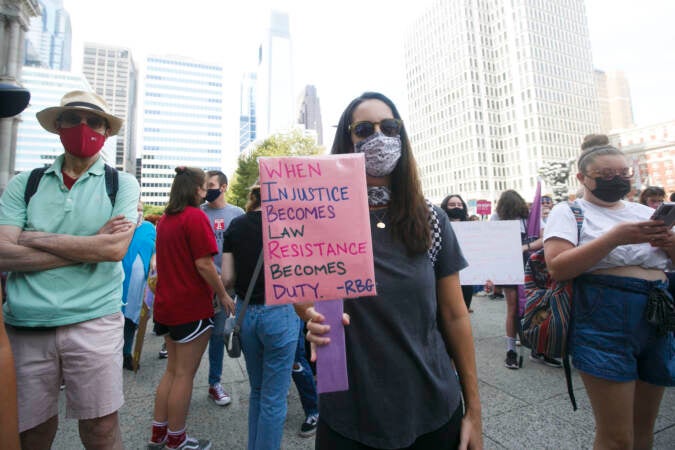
(81, 141)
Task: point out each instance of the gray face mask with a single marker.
(382, 153)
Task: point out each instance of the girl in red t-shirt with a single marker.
(183, 308)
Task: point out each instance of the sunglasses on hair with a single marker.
(73, 119)
(388, 127)
(607, 173)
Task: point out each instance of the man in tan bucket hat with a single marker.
(63, 232)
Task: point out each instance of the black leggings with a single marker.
(444, 438)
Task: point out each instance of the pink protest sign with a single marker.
(483, 208)
(316, 228)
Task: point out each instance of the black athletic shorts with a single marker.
(184, 332)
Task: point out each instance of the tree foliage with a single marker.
(280, 144)
(556, 174)
(152, 209)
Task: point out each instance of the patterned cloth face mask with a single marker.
(378, 195)
(382, 153)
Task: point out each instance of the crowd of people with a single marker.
(79, 255)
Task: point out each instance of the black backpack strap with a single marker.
(579, 218)
(33, 183)
(112, 183)
(568, 378)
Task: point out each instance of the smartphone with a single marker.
(665, 212)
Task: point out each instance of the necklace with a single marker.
(380, 217)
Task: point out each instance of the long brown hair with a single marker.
(184, 189)
(253, 201)
(408, 211)
(512, 206)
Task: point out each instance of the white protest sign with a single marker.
(493, 251)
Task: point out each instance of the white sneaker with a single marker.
(218, 395)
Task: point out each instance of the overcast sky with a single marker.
(345, 47)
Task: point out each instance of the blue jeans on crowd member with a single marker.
(269, 337)
(304, 378)
(217, 347)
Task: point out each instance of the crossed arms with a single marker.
(29, 251)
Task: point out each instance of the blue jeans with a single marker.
(304, 379)
(269, 338)
(610, 337)
(217, 347)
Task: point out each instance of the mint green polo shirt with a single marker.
(79, 292)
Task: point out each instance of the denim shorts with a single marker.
(609, 335)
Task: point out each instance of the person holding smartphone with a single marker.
(617, 262)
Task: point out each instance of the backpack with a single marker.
(111, 183)
(546, 319)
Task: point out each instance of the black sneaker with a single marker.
(308, 428)
(191, 443)
(496, 296)
(543, 359)
(511, 360)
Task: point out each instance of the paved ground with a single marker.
(523, 409)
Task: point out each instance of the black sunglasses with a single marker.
(388, 127)
(73, 119)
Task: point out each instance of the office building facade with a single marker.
(616, 106)
(309, 114)
(182, 114)
(48, 43)
(496, 90)
(651, 151)
(112, 74)
(274, 88)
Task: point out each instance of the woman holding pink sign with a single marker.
(402, 342)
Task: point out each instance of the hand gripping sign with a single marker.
(316, 228)
(317, 243)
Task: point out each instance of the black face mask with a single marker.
(456, 214)
(212, 194)
(611, 191)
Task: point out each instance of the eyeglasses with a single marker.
(72, 119)
(388, 127)
(546, 201)
(607, 173)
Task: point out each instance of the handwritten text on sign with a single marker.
(316, 228)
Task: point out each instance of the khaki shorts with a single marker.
(86, 357)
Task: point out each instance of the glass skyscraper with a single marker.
(496, 89)
(275, 104)
(247, 113)
(36, 147)
(182, 114)
(48, 42)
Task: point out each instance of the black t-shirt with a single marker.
(243, 239)
(401, 380)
